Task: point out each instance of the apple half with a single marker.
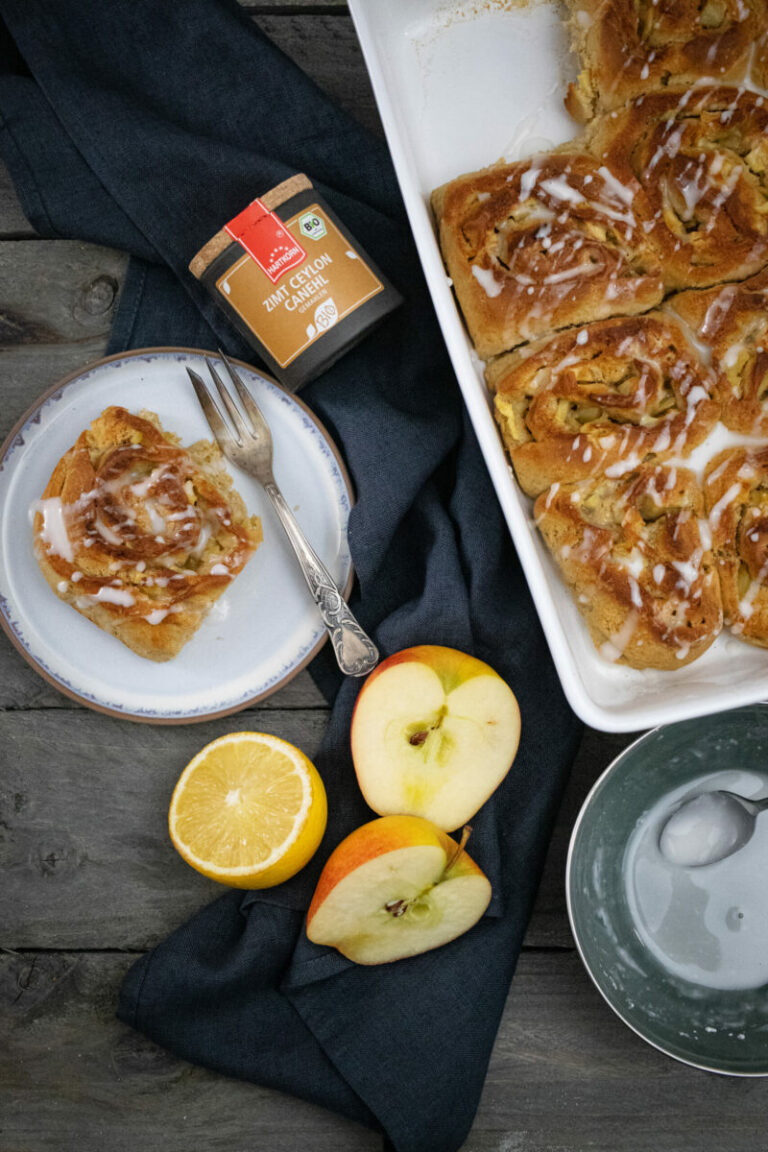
(396, 887)
(434, 732)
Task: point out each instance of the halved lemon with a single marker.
(248, 811)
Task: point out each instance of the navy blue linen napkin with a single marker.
(145, 125)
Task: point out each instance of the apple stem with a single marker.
(466, 832)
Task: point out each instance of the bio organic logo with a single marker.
(312, 226)
(326, 315)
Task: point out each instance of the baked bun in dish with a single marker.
(635, 554)
(604, 397)
(628, 47)
(543, 244)
(736, 491)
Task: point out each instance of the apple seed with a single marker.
(396, 907)
(418, 738)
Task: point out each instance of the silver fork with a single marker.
(249, 447)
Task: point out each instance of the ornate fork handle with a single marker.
(356, 653)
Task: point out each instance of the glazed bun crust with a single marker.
(543, 244)
(631, 552)
(629, 47)
(140, 535)
(599, 397)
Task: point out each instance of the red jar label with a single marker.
(266, 239)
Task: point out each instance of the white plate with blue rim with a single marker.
(263, 630)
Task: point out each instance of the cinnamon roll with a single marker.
(604, 397)
(632, 552)
(731, 321)
(542, 244)
(140, 535)
(736, 490)
(628, 47)
(701, 157)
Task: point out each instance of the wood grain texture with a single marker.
(57, 301)
(565, 1075)
(84, 846)
(83, 839)
(57, 291)
(74, 1077)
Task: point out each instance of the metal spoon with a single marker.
(709, 827)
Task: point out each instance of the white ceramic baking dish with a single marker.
(460, 83)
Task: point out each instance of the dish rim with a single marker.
(638, 711)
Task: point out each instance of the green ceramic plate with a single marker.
(720, 1031)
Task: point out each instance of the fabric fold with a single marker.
(147, 126)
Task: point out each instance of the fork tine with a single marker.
(242, 431)
(261, 428)
(210, 409)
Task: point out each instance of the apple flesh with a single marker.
(434, 732)
(396, 887)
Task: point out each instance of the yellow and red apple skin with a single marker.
(434, 732)
(399, 856)
(452, 666)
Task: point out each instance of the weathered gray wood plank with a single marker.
(57, 301)
(327, 49)
(73, 1077)
(565, 1076)
(57, 291)
(28, 369)
(83, 840)
(84, 846)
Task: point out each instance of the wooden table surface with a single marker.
(90, 880)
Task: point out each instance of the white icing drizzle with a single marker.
(722, 504)
(487, 281)
(108, 595)
(157, 616)
(54, 530)
(613, 648)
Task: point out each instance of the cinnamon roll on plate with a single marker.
(701, 157)
(601, 398)
(543, 244)
(140, 535)
(634, 556)
(628, 47)
(731, 321)
(736, 490)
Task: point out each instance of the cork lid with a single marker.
(271, 200)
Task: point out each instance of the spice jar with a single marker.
(294, 281)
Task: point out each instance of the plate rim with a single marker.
(197, 718)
